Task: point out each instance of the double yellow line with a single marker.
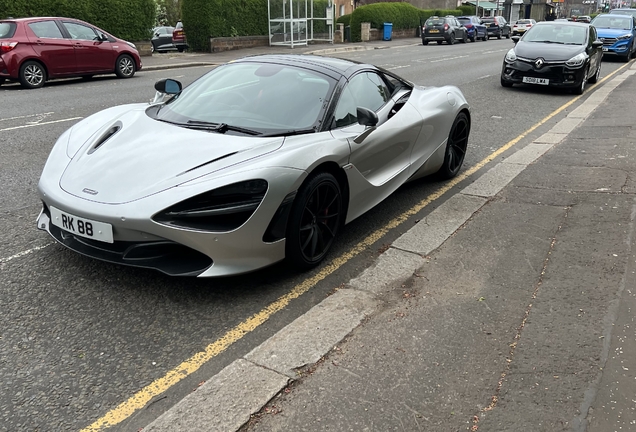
(191, 365)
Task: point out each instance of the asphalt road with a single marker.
(78, 336)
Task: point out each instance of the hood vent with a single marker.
(105, 137)
(207, 163)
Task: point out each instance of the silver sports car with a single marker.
(261, 159)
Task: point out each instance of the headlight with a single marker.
(625, 36)
(132, 45)
(576, 61)
(511, 57)
(219, 210)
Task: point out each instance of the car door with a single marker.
(91, 54)
(52, 47)
(595, 53)
(379, 163)
(463, 32)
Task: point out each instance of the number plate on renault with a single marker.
(533, 80)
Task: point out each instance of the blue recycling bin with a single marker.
(388, 31)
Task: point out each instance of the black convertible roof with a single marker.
(331, 66)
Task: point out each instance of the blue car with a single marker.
(617, 33)
(474, 27)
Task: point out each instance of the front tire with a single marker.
(581, 88)
(485, 38)
(32, 75)
(455, 147)
(314, 221)
(465, 38)
(125, 66)
(505, 83)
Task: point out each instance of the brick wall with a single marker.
(234, 43)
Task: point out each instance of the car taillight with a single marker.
(5, 47)
(423, 28)
(468, 26)
(445, 26)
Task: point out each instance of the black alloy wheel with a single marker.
(125, 66)
(473, 38)
(628, 55)
(315, 219)
(456, 147)
(486, 37)
(451, 39)
(499, 34)
(508, 35)
(32, 75)
(465, 38)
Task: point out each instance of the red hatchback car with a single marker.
(33, 50)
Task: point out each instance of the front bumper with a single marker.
(557, 74)
(618, 48)
(141, 242)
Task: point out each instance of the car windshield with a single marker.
(616, 21)
(434, 21)
(631, 12)
(7, 29)
(464, 20)
(265, 98)
(524, 22)
(488, 20)
(557, 34)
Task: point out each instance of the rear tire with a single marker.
(499, 35)
(485, 38)
(181, 49)
(597, 75)
(455, 148)
(465, 38)
(473, 38)
(1, 81)
(125, 66)
(32, 75)
(439, 42)
(451, 40)
(314, 221)
(424, 42)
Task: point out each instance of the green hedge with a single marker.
(344, 19)
(401, 15)
(127, 19)
(467, 10)
(203, 19)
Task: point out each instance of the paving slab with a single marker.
(304, 341)
(225, 402)
(429, 233)
(528, 154)
(494, 180)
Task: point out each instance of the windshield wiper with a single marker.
(292, 132)
(217, 127)
(550, 42)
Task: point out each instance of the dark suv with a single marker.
(497, 26)
(442, 29)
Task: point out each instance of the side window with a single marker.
(366, 90)
(80, 32)
(46, 29)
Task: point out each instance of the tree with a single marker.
(168, 12)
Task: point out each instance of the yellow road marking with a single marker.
(188, 367)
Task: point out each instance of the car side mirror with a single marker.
(597, 43)
(168, 86)
(515, 39)
(366, 117)
(103, 37)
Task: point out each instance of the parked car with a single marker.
(162, 39)
(521, 26)
(617, 31)
(583, 18)
(261, 159)
(497, 26)
(474, 27)
(556, 54)
(33, 50)
(440, 29)
(179, 37)
(624, 11)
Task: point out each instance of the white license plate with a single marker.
(533, 80)
(81, 226)
(604, 49)
(433, 31)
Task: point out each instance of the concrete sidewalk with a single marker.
(509, 308)
(177, 60)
